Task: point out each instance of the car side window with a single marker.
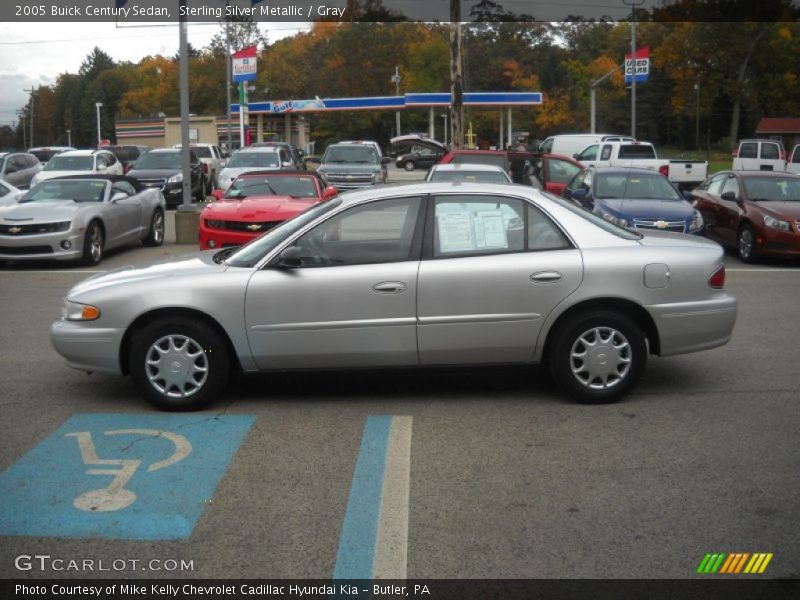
(469, 225)
(111, 160)
(543, 233)
(770, 151)
(606, 154)
(561, 171)
(748, 150)
(31, 161)
(731, 185)
(124, 187)
(589, 153)
(715, 185)
(377, 232)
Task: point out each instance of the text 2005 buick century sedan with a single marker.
(431, 274)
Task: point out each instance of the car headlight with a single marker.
(175, 178)
(74, 311)
(776, 223)
(697, 222)
(213, 224)
(616, 220)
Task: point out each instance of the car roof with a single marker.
(163, 150)
(468, 167)
(425, 188)
(624, 170)
(272, 149)
(487, 152)
(79, 152)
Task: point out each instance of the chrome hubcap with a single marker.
(96, 244)
(600, 358)
(176, 366)
(745, 243)
(158, 227)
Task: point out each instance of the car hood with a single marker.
(668, 210)
(153, 173)
(348, 168)
(258, 208)
(234, 172)
(41, 211)
(45, 175)
(182, 266)
(780, 210)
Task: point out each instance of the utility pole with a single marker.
(21, 114)
(593, 97)
(98, 105)
(697, 115)
(396, 81)
(456, 90)
(183, 91)
(228, 73)
(31, 91)
(633, 4)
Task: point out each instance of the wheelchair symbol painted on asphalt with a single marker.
(116, 496)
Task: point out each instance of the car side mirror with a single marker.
(729, 196)
(687, 195)
(329, 192)
(118, 196)
(290, 258)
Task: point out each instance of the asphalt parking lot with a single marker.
(490, 473)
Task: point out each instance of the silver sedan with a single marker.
(79, 217)
(428, 274)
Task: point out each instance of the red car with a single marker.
(550, 172)
(756, 212)
(258, 201)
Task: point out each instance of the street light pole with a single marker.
(396, 81)
(69, 137)
(633, 4)
(697, 115)
(444, 131)
(97, 106)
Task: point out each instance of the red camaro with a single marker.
(258, 201)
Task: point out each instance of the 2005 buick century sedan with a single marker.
(429, 274)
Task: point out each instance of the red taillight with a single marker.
(717, 279)
(204, 166)
(664, 170)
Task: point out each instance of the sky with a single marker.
(33, 54)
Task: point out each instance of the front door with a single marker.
(353, 300)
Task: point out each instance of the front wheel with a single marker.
(93, 242)
(179, 364)
(410, 166)
(746, 244)
(597, 357)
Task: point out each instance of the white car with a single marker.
(472, 173)
(213, 162)
(9, 194)
(252, 159)
(79, 162)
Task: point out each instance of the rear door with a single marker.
(558, 172)
(771, 157)
(793, 166)
(493, 269)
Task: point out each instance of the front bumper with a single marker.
(693, 326)
(777, 242)
(223, 237)
(87, 348)
(42, 246)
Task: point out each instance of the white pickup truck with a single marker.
(685, 174)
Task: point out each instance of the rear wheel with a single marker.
(410, 166)
(93, 242)
(155, 236)
(179, 364)
(597, 357)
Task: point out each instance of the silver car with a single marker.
(78, 218)
(426, 274)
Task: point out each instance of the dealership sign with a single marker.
(244, 65)
(642, 65)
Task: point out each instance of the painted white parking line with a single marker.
(391, 549)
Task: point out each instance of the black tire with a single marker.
(201, 193)
(746, 244)
(619, 341)
(410, 166)
(155, 236)
(93, 244)
(185, 344)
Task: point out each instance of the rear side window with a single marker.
(796, 155)
(748, 150)
(546, 146)
(469, 225)
(589, 153)
(606, 154)
(770, 151)
(636, 151)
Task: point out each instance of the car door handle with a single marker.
(389, 287)
(546, 277)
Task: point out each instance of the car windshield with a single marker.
(125, 153)
(497, 160)
(297, 187)
(470, 176)
(640, 186)
(159, 160)
(79, 190)
(70, 163)
(779, 189)
(202, 151)
(350, 154)
(254, 251)
(253, 159)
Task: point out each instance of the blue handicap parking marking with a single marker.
(120, 476)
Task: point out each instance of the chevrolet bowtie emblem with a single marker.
(254, 227)
(14, 229)
(661, 224)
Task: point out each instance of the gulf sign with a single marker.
(244, 64)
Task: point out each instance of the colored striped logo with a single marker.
(734, 563)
